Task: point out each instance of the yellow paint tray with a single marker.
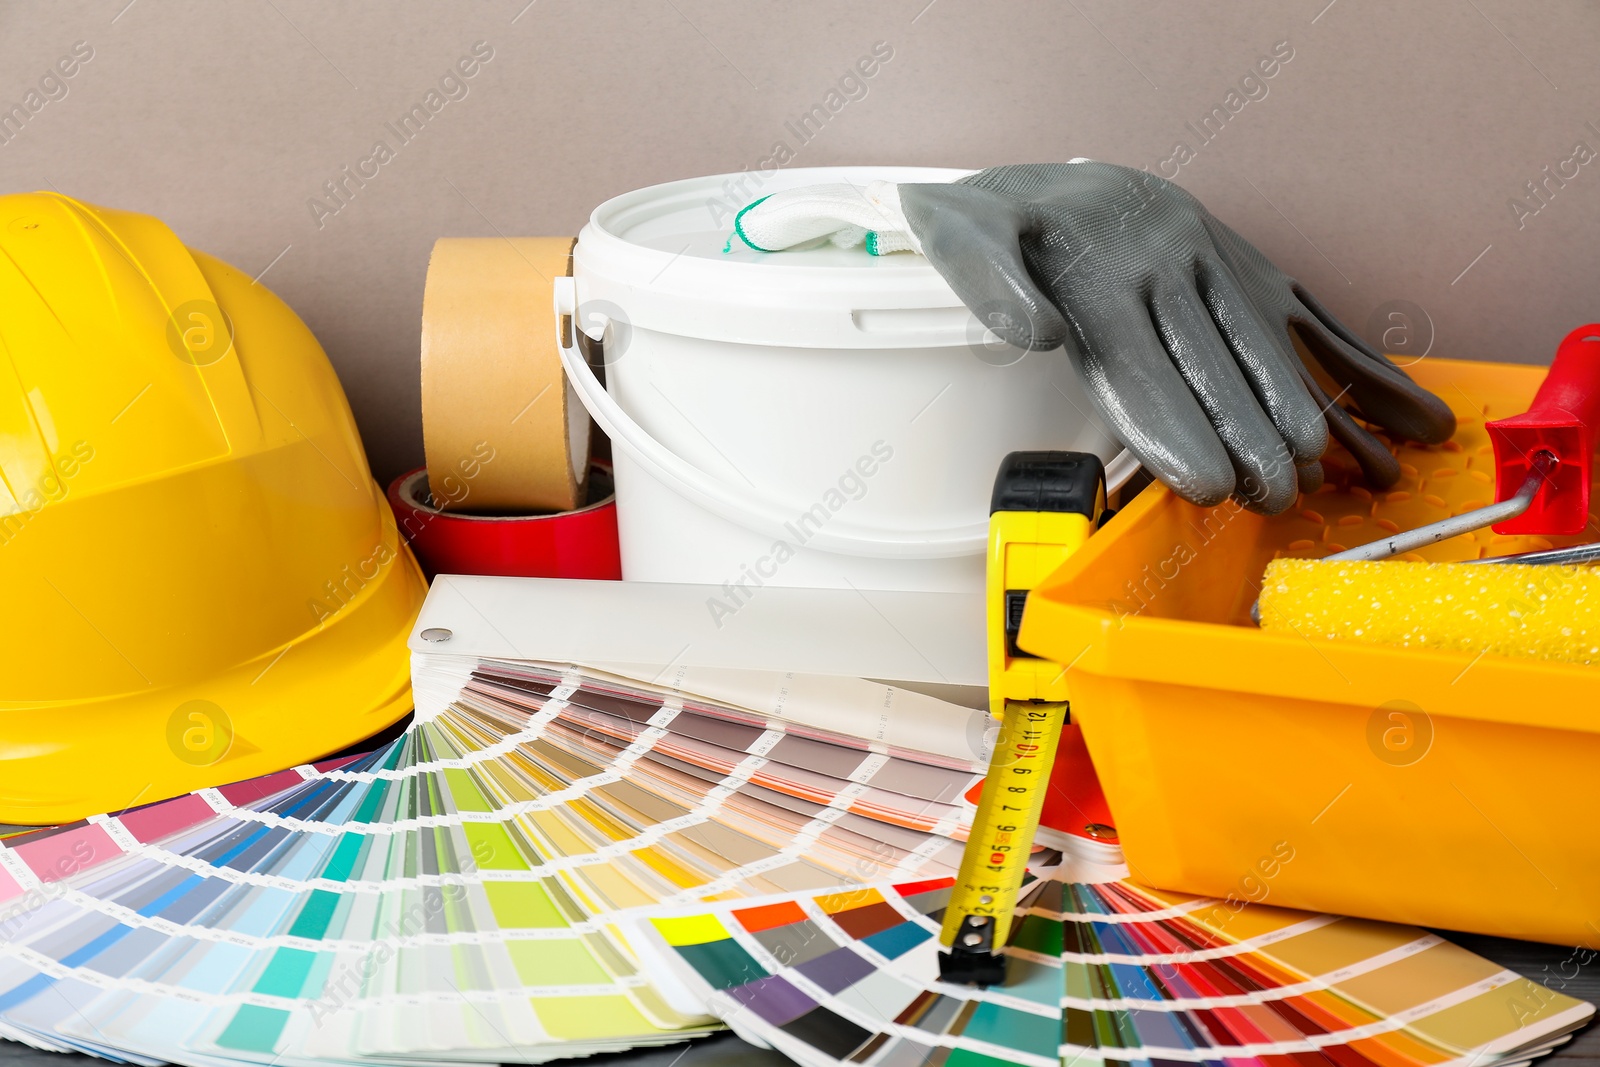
(1414, 786)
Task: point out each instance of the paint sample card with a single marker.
(885, 753)
(919, 791)
(451, 895)
(1099, 970)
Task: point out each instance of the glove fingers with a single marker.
(1141, 395)
(1262, 461)
(1269, 363)
(1377, 463)
(970, 235)
(1310, 477)
(1384, 393)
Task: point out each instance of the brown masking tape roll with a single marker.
(494, 396)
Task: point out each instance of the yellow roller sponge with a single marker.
(1508, 609)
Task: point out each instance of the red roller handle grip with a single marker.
(1562, 422)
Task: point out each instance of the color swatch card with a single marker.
(1100, 971)
(923, 791)
(237, 942)
(871, 715)
(843, 742)
(451, 895)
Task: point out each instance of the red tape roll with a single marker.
(564, 544)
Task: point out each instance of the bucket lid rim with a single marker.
(608, 226)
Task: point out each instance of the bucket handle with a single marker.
(740, 505)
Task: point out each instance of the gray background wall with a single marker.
(1378, 167)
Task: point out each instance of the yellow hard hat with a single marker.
(203, 583)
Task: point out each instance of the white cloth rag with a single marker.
(844, 215)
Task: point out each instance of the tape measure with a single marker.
(1045, 505)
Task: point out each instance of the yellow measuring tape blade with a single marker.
(996, 856)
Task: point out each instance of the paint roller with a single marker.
(1535, 605)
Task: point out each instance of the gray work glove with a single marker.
(1180, 328)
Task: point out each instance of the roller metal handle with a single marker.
(1561, 421)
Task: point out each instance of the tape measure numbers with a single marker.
(996, 858)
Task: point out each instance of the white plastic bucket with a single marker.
(813, 418)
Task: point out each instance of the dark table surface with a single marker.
(1576, 974)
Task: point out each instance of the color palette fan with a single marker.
(1100, 970)
(449, 896)
(513, 877)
